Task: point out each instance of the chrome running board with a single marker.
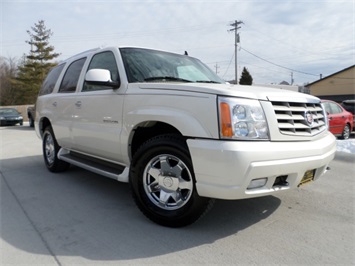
(101, 167)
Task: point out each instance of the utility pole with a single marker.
(216, 66)
(235, 28)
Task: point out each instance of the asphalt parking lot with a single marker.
(80, 218)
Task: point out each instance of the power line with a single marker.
(230, 61)
(294, 70)
(331, 50)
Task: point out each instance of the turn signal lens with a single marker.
(226, 123)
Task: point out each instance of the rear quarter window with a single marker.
(51, 79)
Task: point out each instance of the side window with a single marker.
(71, 77)
(105, 60)
(51, 80)
(335, 109)
(327, 107)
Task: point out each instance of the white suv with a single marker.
(176, 132)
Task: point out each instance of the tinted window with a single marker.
(105, 60)
(8, 111)
(71, 76)
(51, 80)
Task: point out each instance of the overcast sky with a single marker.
(279, 38)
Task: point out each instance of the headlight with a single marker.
(2, 118)
(241, 119)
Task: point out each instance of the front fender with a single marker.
(192, 116)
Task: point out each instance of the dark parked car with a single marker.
(349, 105)
(10, 117)
(341, 122)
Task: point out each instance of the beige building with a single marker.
(337, 87)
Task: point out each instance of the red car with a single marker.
(341, 122)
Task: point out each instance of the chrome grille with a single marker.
(292, 118)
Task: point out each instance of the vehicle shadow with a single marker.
(79, 213)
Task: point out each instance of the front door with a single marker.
(98, 122)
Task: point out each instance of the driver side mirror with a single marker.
(101, 77)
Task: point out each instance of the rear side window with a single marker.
(51, 80)
(332, 108)
(71, 77)
(335, 109)
(105, 60)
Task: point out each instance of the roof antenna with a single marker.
(186, 53)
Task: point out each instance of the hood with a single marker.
(241, 91)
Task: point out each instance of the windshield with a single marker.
(144, 65)
(8, 112)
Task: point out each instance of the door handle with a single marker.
(78, 104)
(54, 104)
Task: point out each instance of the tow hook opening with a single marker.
(257, 183)
(281, 181)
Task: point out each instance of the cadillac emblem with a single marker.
(308, 117)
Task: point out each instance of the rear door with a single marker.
(64, 104)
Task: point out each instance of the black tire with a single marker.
(31, 121)
(50, 152)
(346, 132)
(162, 182)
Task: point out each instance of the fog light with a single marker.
(256, 183)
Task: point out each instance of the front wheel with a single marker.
(50, 152)
(163, 183)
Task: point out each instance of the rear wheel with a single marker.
(163, 183)
(31, 121)
(50, 152)
(346, 132)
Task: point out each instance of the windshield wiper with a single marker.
(207, 81)
(167, 78)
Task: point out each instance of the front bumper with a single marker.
(12, 122)
(224, 169)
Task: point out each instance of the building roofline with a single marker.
(314, 82)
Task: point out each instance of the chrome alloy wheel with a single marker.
(49, 149)
(167, 182)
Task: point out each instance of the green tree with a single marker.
(246, 78)
(35, 66)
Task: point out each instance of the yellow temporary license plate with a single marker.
(308, 177)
